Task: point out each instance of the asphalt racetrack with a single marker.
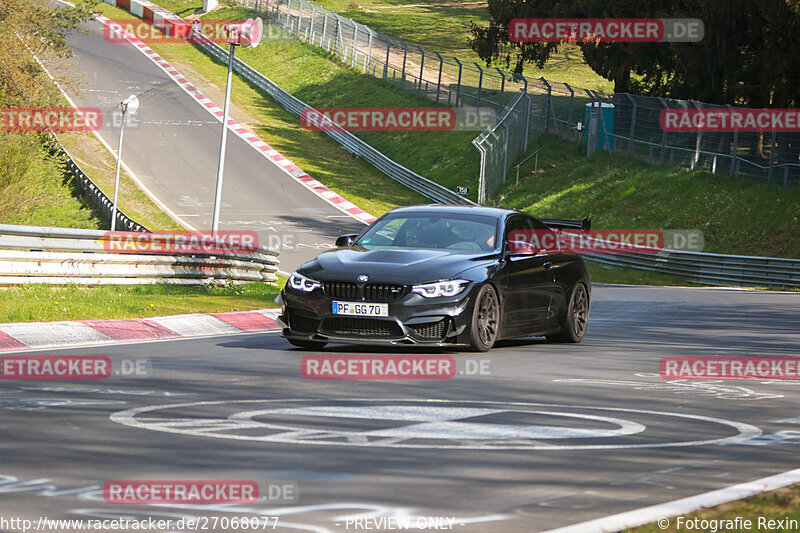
(548, 435)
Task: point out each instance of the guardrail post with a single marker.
(772, 146)
(458, 87)
(403, 73)
(480, 86)
(368, 59)
(421, 69)
(633, 126)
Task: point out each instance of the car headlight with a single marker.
(302, 283)
(440, 288)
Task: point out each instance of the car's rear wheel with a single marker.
(485, 320)
(575, 324)
(308, 345)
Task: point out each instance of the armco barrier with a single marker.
(32, 254)
(349, 142)
(92, 193)
(711, 269)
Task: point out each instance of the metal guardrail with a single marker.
(349, 142)
(92, 192)
(711, 269)
(34, 254)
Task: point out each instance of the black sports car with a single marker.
(438, 276)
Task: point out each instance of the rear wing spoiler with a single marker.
(584, 224)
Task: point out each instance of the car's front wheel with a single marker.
(308, 345)
(485, 320)
(574, 327)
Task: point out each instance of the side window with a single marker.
(518, 234)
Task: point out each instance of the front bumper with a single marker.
(413, 320)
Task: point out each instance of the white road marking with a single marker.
(458, 433)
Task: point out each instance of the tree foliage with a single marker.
(37, 27)
(750, 54)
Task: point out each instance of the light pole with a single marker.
(129, 105)
(247, 33)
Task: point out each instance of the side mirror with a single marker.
(346, 240)
(521, 248)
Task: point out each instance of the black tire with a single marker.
(574, 327)
(308, 345)
(485, 323)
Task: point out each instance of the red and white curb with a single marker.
(138, 7)
(41, 335)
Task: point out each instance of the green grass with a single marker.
(620, 192)
(776, 505)
(32, 187)
(445, 29)
(45, 303)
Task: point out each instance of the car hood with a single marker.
(395, 265)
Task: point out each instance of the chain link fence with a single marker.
(621, 124)
(629, 125)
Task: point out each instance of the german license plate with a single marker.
(360, 309)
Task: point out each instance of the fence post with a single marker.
(734, 149)
(571, 102)
(324, 30)
(527, 118)
(439, 80)
(505, 151)
(633, 124)
(421, 67)
(288, 14)
(480, 86)
(403, 73)
(502, 85)
(310, 33)
(300, 19)
(547, 107)
(355, 43)
(368, 59)
(458, 87)
(388, 51)
(696, 158)
(772, 146)
(663, 133)
(266, 10)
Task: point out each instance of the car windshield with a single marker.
(457, 232)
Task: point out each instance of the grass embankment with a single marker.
(46, 303)
(444, 27)
(32, 188)
(782, 504)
